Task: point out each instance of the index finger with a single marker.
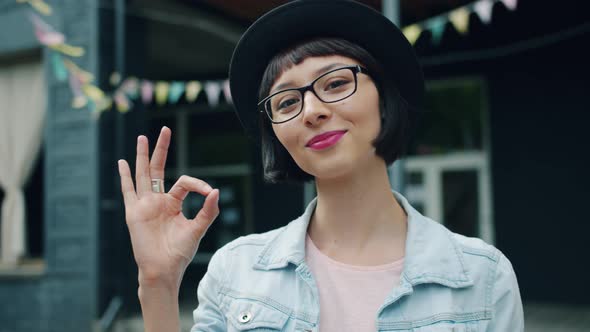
(127, 187)
(158, 161)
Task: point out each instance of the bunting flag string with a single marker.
(126, 90)
(459, 18)
(85, 93)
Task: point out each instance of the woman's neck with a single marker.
(357, 219)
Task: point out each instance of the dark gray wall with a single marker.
(539, 120)
(539, 115)
(63, 298)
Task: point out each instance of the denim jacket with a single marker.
(449, 282)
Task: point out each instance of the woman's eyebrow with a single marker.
(328, 67)
(317, 72)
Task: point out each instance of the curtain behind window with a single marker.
(22, 115)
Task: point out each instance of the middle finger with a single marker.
(158, 161)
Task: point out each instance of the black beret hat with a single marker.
(299, 20)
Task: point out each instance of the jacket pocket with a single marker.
(447, 327)
(249, 315)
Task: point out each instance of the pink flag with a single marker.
(45, 33)
(510, 4)
(147, 91)
(227, 91)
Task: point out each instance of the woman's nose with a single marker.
(314, 110)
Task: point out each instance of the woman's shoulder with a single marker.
(484, 257)
(246, 248)
(253, 240)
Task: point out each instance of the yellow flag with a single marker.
(79, 101)
(460, 19)
(39, 5)
(70, 50)
(122, 103)
(162, 92)
(412, 32)
(193, 88)
(103, 104)
(93, 92)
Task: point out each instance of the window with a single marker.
(447, 172)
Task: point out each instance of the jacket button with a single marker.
(245, 317)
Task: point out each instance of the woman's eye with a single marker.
(336, 84)
(286, 104)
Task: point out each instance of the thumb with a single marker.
(207, 214)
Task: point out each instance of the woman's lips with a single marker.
(325, 140)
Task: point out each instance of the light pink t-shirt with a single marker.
(350, 295)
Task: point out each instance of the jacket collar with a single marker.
(432, 254)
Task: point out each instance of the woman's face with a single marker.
(348, 127)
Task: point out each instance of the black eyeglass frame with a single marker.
(302, 90)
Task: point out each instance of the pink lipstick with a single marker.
(325, 140)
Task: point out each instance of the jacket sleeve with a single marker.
(506, 302)
(208, 315)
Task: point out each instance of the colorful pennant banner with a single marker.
(126, 90)
(459, 18)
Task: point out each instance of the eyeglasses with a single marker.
(330, 87)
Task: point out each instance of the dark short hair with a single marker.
(277, 163)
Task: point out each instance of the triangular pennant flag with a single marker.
(193, 88)
(162, 92)
(147, 91)
(227, 91)
(44, 32)
(213, 89)
(122, 102)
(69, 50)
(79, 99)
(115, 78)
(412, 32)
(130, 87)
(176, 90)
(103, 104)
(510, 4)
(93, 92)
(483, 9)
(100, 106)
(460, 19)
(436, 25)
(84, 76)
(59, 70)
(39, 5)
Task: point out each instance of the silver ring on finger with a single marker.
(158, 186)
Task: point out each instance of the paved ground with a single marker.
(538, 318)
(556, 318)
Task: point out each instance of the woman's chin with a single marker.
(331, 172)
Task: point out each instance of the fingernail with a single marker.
(217, 199)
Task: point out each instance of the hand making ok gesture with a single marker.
(164, 241)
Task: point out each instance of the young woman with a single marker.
(331, 89)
